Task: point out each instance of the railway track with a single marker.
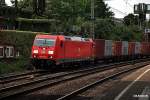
(53, 80)
(83, 89)
(20, 76)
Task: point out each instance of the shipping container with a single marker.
(137, 48)
(108, 48)
(145, 48)
(124, 47)
(99, 48)
(149, 48)
(117, 48)
(131, 48)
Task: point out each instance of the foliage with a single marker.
(102, 10)
(14, 65)
(130, 19)
(22, 40)
(71, 14)
(107, 29)
(103, 28)
(36, 25)
(73, 18)
(24, 4)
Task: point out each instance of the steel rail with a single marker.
(35, 74)
(19, 74)
(57, 76)
(82, 89)
(43, 82)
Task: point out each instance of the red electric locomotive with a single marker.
(51, 50)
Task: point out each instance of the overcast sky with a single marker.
(119, 7)
(125, 6)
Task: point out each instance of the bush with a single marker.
(107, 29)
(22, 40)
(13, 65)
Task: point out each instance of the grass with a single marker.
(13, 65)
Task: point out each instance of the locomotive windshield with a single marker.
(44, 42)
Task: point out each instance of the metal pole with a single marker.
(16, 13)
(16, 4)
(92, 19)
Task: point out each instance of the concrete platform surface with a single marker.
(135, 86)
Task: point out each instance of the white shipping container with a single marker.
(137, 47)
(108, 48)
(124, 47)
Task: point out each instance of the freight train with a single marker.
(53, 50)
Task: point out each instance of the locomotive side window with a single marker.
(9, 52)
(44, 42)
(1, 52)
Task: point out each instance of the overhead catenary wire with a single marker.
(123, 13)
(127, 3)
(117, 10)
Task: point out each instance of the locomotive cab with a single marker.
(44, 48)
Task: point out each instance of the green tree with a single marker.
(72, 14)
(102, 10)
(130, 19)
(2, 3)
(24, 4)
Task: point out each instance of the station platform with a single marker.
(135, 86)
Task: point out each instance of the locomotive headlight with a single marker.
(50, 52)
(35, 51)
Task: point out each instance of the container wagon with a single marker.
(138, 53)
(124, 50)
(117, 50)
(131, 50)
